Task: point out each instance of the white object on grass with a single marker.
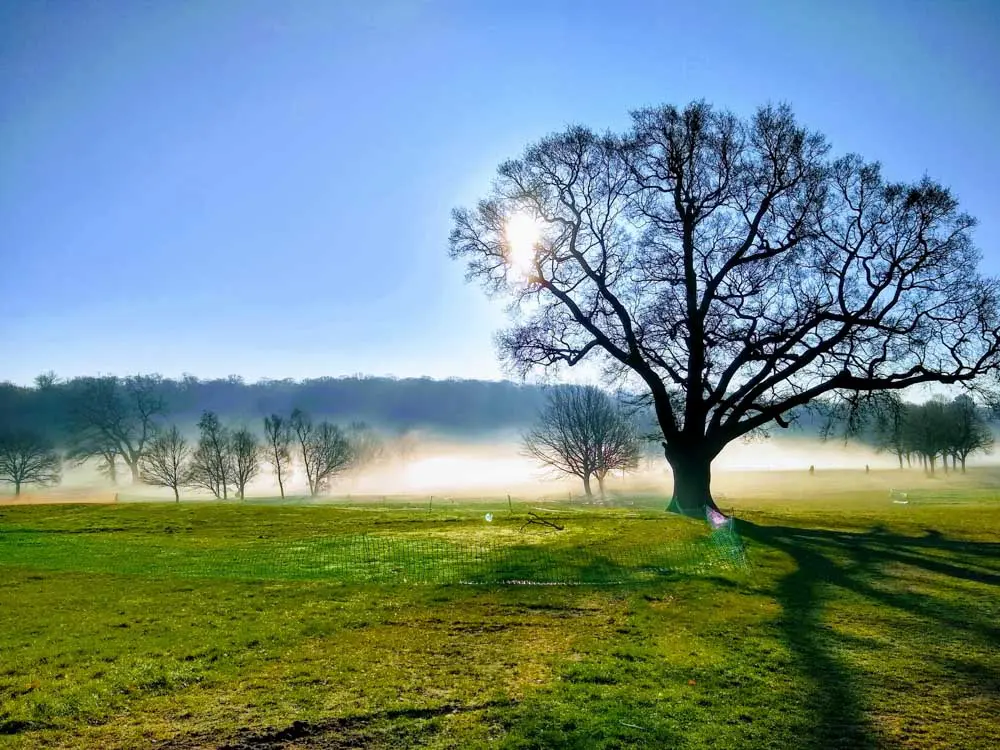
(489, 517)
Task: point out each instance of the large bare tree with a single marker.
(581, 432)
(112, 417)
(165, 462)
(277, 448)
(324, 448)
(26, 458)
(730, 269)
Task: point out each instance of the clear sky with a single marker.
(264, 188)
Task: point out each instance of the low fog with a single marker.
(495, 467)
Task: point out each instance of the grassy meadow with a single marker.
(856, 622)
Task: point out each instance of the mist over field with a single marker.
(491, 465)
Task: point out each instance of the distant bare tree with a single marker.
(581, 432)
(891, 420)
(277, 448)
(405, 444)
(212, 466)
(324, 449)
(366, 446)
(165, 462)
(968, 430)
(618, 449)
(26, 458)
(245, 451)
(927, 428)
(113, 417)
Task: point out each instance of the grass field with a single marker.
(857, 623)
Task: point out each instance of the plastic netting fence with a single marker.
(374, 558)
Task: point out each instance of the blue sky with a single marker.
(264, 188)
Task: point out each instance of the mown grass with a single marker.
(859, 624)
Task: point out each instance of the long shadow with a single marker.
(853, 561)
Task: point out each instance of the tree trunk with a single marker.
(692, 485)
(134, 468)
(900, 461)
(177, 495)
(963, 464)
(17, 488)
(931, 460)
(281, 486)
(600, 484)
(586, 486)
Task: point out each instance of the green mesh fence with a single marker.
(374, 558)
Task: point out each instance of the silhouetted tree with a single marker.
(891, 426)
(324, 449)
(731, 269)
(112, 417)
(165, 462)
(246, 459)
(27, 458)
(212, 465)
(968, 431)
(278, 439)
(582, 433)
(927, 432)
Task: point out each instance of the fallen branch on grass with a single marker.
(537, 519)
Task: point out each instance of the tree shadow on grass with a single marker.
(859, 563)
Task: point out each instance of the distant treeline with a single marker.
(456, 407)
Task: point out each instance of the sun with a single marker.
(522, 232)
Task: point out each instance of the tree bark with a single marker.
(177, 495)
(281, 486)
(600, 485)
(586, 485)
(134, 468)
(17, 488)
(692, 493)
(900, 461)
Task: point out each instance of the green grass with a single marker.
(858, 624)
